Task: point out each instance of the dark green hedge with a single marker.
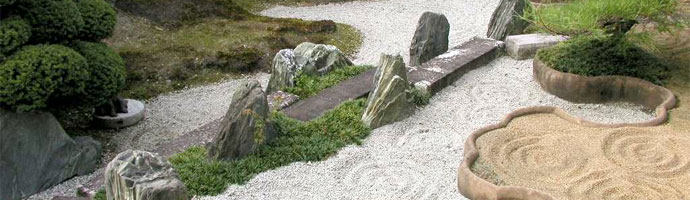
(14, 32)
(6, 2)
(599, 56)
(37, 73)
(51, 20)
(107, 71)
(99, 19)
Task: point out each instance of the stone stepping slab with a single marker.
(437, 74)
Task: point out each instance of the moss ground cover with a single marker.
(168, 45)
(605, 56)
(296, 141)
(307, 86)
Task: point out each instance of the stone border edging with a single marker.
(598, 89)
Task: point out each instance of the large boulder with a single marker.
(430, 39)
(319, 59)
(389, 101)
(142, 175)
(284, 71)
(245, 126)
(36, 154)
(506, 20)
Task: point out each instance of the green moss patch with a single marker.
(166, 48)
(594, 56)
(310, 85)
(296, 142)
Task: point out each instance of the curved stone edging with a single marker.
(602, 89)
(571, 87)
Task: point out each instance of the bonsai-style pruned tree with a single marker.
(51, 54)
(601, 41)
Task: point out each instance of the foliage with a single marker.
(296, 141)
(37, 73)
(6, 2)
(420, 97)
(51, 20)
(596, 17)
(598, 56)
(99, 19)
(310, 85)
(107, 72)
(14, 32)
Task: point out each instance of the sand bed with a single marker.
(568, 161)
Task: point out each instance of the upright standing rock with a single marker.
(36, 154)
(430, 39)
(245, 126)
(388, 102)
(142, 175)
(506, 20)
(284, 71)
(319, 59)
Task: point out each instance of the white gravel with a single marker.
(418, 158)
(167, 117)
(388, 26)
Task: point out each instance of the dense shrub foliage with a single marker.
(107, 71)
(51, 20)
(50, 55)
(37, 73)
(6, 2)
(99, 19)
(596, 16)
(600, 56)
(14, 32)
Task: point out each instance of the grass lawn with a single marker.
(296, 141)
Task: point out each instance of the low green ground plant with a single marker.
(296, 142)
(310, 85)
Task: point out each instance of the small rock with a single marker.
(280, 100)
(430, 39)
(284, 71)
(245, 126)
(319, 59)
(506, 20)
(142, 175)
(522, 47)
(388, 102)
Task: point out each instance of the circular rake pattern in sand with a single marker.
(605, 184)
(647, 153)
(538, 160)
(381, 177)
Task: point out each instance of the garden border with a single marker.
(570, 87)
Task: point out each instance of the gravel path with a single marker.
(167, 117)
(388, 26)
(418, 158)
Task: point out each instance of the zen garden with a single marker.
(344, 99)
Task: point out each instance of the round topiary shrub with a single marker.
(99, 19)
(14, 32)
(107, 72)
(35, 74)
(51, 20)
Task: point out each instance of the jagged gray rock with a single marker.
(389, 101)
(430, 39)
(319, 59)
(142, 175)
(36, 154)
(284, 71)
(506, 20)
(245, 126)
